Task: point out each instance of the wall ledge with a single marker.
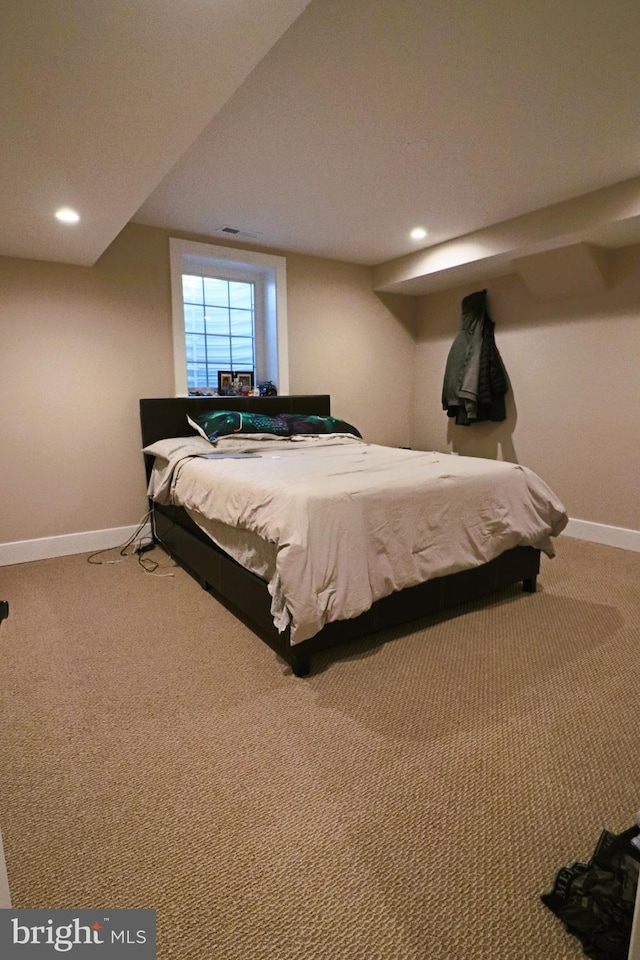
(45, 548)
(606, 218)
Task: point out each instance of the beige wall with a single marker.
(574, 367)
(81, 345)
(351, 343)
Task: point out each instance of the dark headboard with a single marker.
(167, 417)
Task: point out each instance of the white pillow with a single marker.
(171, 445)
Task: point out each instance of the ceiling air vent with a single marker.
(230, 231)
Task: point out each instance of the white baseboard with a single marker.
(24, 551)
(603, 533)
(5, 898)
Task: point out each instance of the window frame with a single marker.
(267, 271)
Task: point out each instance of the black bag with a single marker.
(596, 900)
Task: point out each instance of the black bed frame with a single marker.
(247, 595)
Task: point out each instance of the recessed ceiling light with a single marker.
(418, 233)
(67, 215)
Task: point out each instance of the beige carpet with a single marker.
(410, 799)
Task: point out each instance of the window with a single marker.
(229, 313)
(219, 327)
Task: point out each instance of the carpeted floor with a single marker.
(409, 800)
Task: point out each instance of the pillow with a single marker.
(301, 423)
(222, 423)
(171, 446)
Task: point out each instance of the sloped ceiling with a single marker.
(330, 128)
(99, 99)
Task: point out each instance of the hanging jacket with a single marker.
(492, 379)
(475, 381)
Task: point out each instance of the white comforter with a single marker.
(353, 521)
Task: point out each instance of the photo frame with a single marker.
(225, 381)
(245, 379)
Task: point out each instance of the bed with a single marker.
(207, 498)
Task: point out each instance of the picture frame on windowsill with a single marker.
(225, 382)
(245, 380)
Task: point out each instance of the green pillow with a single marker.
(222, 423)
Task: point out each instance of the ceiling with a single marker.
(328, 128)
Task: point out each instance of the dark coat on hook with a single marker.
(475, 380)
